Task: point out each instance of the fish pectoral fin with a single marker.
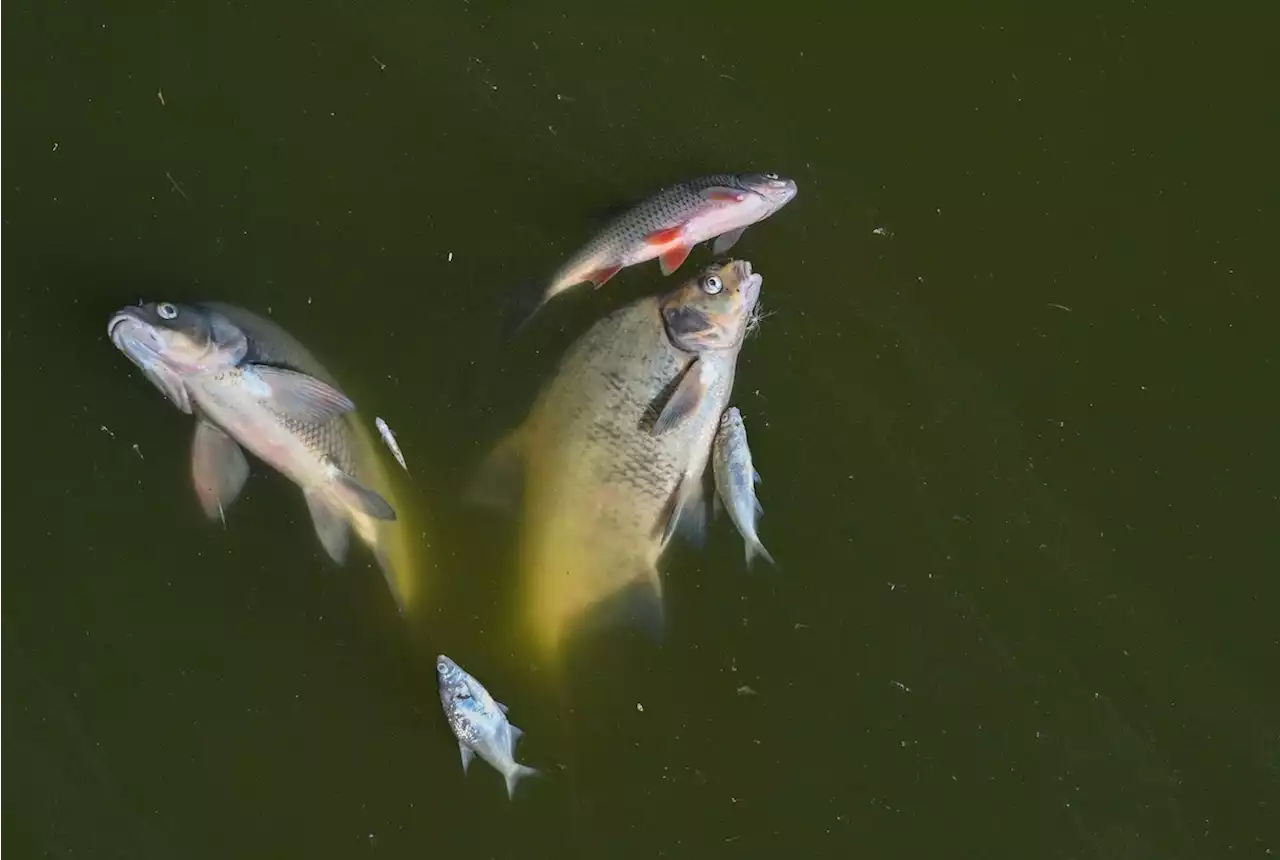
(685, 398)
(723, 194)
(501, 707)
(685, 513)
(672, 259)
(298, 396)
(359, 497)
(467, 755)
(218, 469)
(499, 481)
(330, 523)
(725, 241)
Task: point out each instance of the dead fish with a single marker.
(736, 479)
(480, 723)
(610, 461)
(667, 226)
(251, 385)
(389, 438)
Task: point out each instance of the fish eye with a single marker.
(166, 311)
(771, 176)
(442, 668)
(712, 284)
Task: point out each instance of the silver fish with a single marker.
(736, 480)
(389, 438)
(250, 384)
(479, 722)
(610, 460)
(669, 224)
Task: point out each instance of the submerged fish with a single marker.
(479, 722)
(612, 455)
(667, 225)
(389, 438)
(736, 480)
(250, 384)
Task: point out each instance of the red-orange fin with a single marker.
(664, 237)
(599, 276)
(671, 260)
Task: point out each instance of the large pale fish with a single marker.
(251, 385)
(612, 455)
(479, 722)
(736, 478)
(667, 225)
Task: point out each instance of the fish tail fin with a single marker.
(526, 299)
(755, 549)
(517, 773)
(389, 574)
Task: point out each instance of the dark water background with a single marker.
(1018, 455)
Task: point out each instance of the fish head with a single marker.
(730, 417)
(170, 342)
(776, 191)
(713, 309)
(452, 681)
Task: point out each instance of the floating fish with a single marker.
(251, 385)
(389, 438)
(736, 480)
(669, 224)
(610, 461)
(479, 722)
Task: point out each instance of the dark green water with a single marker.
(1018, 455)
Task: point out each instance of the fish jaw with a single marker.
(140, 344)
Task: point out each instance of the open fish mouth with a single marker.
(134, 337)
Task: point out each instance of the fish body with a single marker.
(389, 439)
(252, 386)
(667, 225)
(479, 722)
(736, 479)
(611, 457)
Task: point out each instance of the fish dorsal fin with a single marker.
(499, 481)
(685, 398)
(218, 469)
(295, 395)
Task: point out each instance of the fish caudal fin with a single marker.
(526, 299)
(361, 498)
(330, 523)
(218, 469)
(389, 574)
(517, 773)
(755, 549)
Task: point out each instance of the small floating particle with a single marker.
(744, 690)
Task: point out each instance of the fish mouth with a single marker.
(134, 336)
(749, 281)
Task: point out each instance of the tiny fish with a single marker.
(736, 480)
(479, 722)
(667, 225)
(390, 438)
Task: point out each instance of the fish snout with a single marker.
(749, 282)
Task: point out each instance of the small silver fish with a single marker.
(479, 722)
(390, 439)
(736, 480)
